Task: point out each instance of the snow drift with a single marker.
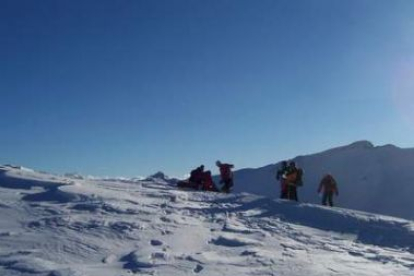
(54, 226)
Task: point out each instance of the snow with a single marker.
(63, 226)
(378, 179)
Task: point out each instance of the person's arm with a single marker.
(320, 186)
(278, 174)
(336, 187)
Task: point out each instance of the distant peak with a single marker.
(16, 167)
(159, 175)
(361, 145)
(390, 146)
(358, 145)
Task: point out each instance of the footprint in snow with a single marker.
(198, 268)
(248, 253)
(156, 243)
(8, 234)
(109, 259)
(165, 219)
(165, 232)
(233, 241)
(136, 262)
(143, 261)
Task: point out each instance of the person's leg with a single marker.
(226, 186)
(292, 192)
(283, 190)
(289, 192)
(231, 183)
(324, 198)
(330, 199)
(295, 193)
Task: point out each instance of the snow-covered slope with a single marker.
(371, 178)
(58, 226)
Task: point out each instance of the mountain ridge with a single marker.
(371, 178)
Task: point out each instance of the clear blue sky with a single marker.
(132, 87)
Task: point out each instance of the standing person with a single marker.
(279, 177)
(293, 177)
(226, 176)
(329, 186)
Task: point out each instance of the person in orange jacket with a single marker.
(292, 179)
(226, 176)
(329, 187)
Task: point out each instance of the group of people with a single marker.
(291, 177)
(202, 180)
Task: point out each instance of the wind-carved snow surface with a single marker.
(58, 226)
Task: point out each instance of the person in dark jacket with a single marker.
(279, 177)
(197, 176)
(226, 176)
(329, 187)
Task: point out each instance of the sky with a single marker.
(128, 88)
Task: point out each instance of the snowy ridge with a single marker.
(57, 226)
(377, 179)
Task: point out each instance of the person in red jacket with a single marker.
(208, 183)
(226, 176)
(329, 187)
